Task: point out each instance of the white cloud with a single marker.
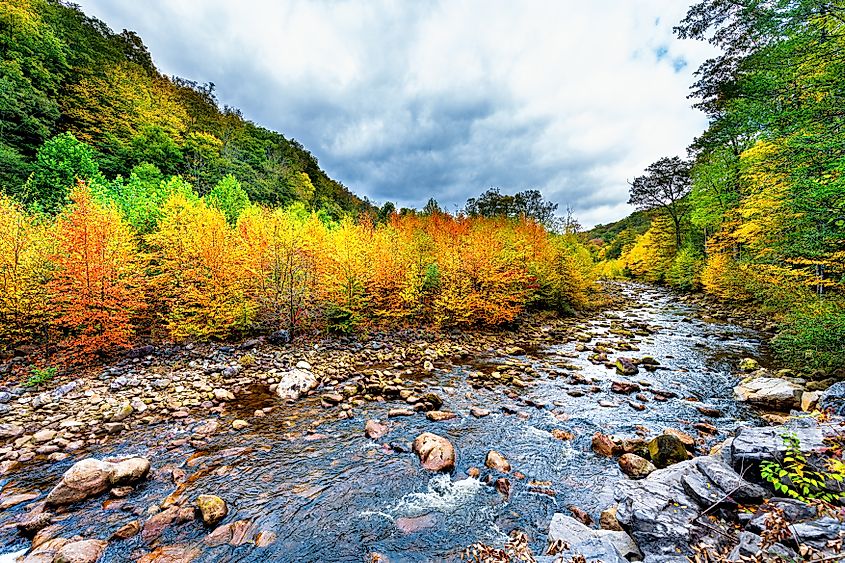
(405, 100)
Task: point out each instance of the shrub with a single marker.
(38, 377)
(813, 339)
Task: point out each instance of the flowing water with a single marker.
(331, 494)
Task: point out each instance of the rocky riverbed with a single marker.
(312, 451)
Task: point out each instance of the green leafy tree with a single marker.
(664, 186)
(229, 197)
(59, 163)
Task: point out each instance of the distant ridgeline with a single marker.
(80, 101)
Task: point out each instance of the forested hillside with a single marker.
(760, 205)
(79, 100)
(135, 208)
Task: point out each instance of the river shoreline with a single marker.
(211, 419)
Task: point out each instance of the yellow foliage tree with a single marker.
(25, 268)
(202, 277)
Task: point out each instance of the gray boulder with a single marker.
(750, 545)
(661, 512)
(751, 445)
(834, 399)
(594, 545)
(770, 393)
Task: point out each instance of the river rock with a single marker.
(751, 445)
(635, 467)
(624, 387)
(833, 399)
(295, 382)
(770, 393)
(497, 462)
(625, 366)
(46, 551)
(171, 554)
(212, 508)
(440, 416)
(375, 430)
(86, 478)
(750, 546)
(123, 412)
(91, 477)
(127, 531)
(662, 516)
(479, 412)
(85, 551)
(667, 449)
(34, 521)
(435, 452)
(604, 445)
(130, 471)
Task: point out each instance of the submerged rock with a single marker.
(435, 452)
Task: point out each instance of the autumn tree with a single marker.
(201, 278)
(664, 186)
(98, 286)
(26, 247)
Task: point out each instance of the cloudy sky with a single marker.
(408, 100)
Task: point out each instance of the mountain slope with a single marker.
(63, 71)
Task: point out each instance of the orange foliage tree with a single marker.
(98, 285)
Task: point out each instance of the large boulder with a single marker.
(751, 445)
(436, 453)
(770, 393)
(833, 399)
(575, 538)
(662, 512)
(90, 477)
(295, 382)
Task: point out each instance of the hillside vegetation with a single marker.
(68, 79)
(135, 208)
(760, 207)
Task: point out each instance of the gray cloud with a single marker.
(406, 101)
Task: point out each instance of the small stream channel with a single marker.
(328, 493)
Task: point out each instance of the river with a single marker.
(329, 493)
